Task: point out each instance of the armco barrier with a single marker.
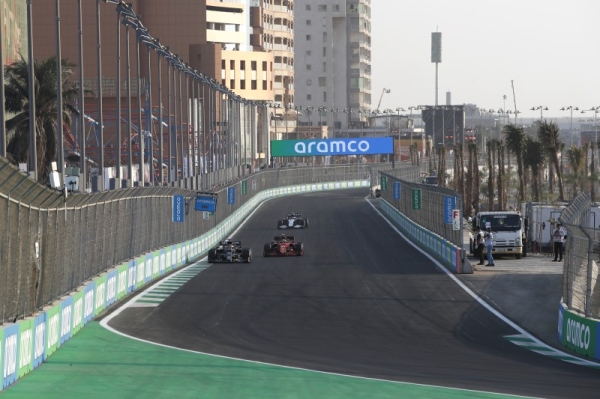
(28, 343)
(578, 333)
(444, 251)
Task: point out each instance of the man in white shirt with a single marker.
(480, 244)
(558, 236)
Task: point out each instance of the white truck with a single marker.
(509, 232)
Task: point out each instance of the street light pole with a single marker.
(570, 108)
(399, 138)
(32, 127)
(595, 111)
(59, 94)
(542, 108)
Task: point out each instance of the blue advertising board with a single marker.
(111, 288)
(397, 191)
(178, 208)
(88, 302)
(39, 340)
(66, 318)
(326, 147)
(205, 203)
(9, 337)
(231, 195)
(449, 206)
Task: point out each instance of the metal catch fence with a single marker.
(433, 202)
(581, 292)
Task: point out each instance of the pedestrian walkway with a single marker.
(527, 290)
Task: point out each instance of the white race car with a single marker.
(293, 221)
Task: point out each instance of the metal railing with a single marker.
(582, 249)
(431, 215)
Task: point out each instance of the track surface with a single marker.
(360, 302)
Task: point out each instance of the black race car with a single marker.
(283, 246)
(293, 221)
(229, 251)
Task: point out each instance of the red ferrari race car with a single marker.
(283, 246)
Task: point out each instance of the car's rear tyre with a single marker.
(267, 250)
(212, 255)
(299, 249)
(247, 255)
(306, 224)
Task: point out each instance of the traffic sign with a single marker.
(244, 187)
(456, 219)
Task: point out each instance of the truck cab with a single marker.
(508, 229)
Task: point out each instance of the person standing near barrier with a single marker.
(558, 236)
(479, 244)
(489, 243)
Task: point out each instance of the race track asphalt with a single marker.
(361, 302)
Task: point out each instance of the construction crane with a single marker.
(381, 98)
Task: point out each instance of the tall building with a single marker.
(13, 23)
(217, 38)
(272, 24)
(333, 44)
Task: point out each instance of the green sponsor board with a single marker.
(53, 330)
(77, 321)
(416, 199)
(244, 187)
(100, 294)
(122, 280)
(384, 183)
(25, 350)
(579, 334)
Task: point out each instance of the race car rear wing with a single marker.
(279, 238)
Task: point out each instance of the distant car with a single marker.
(283, 246)
(229, 251)
(293, 221)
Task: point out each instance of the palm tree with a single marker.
(476, 176)
(490, 183)
(575, 156)
(548, 135)
(586, 175)
(500, 176)
(534, 159)
(516, 144)
(16, 91)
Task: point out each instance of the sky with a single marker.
(549, 49)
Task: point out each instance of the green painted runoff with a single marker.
(97, 363)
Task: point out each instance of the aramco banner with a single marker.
(326, 147)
